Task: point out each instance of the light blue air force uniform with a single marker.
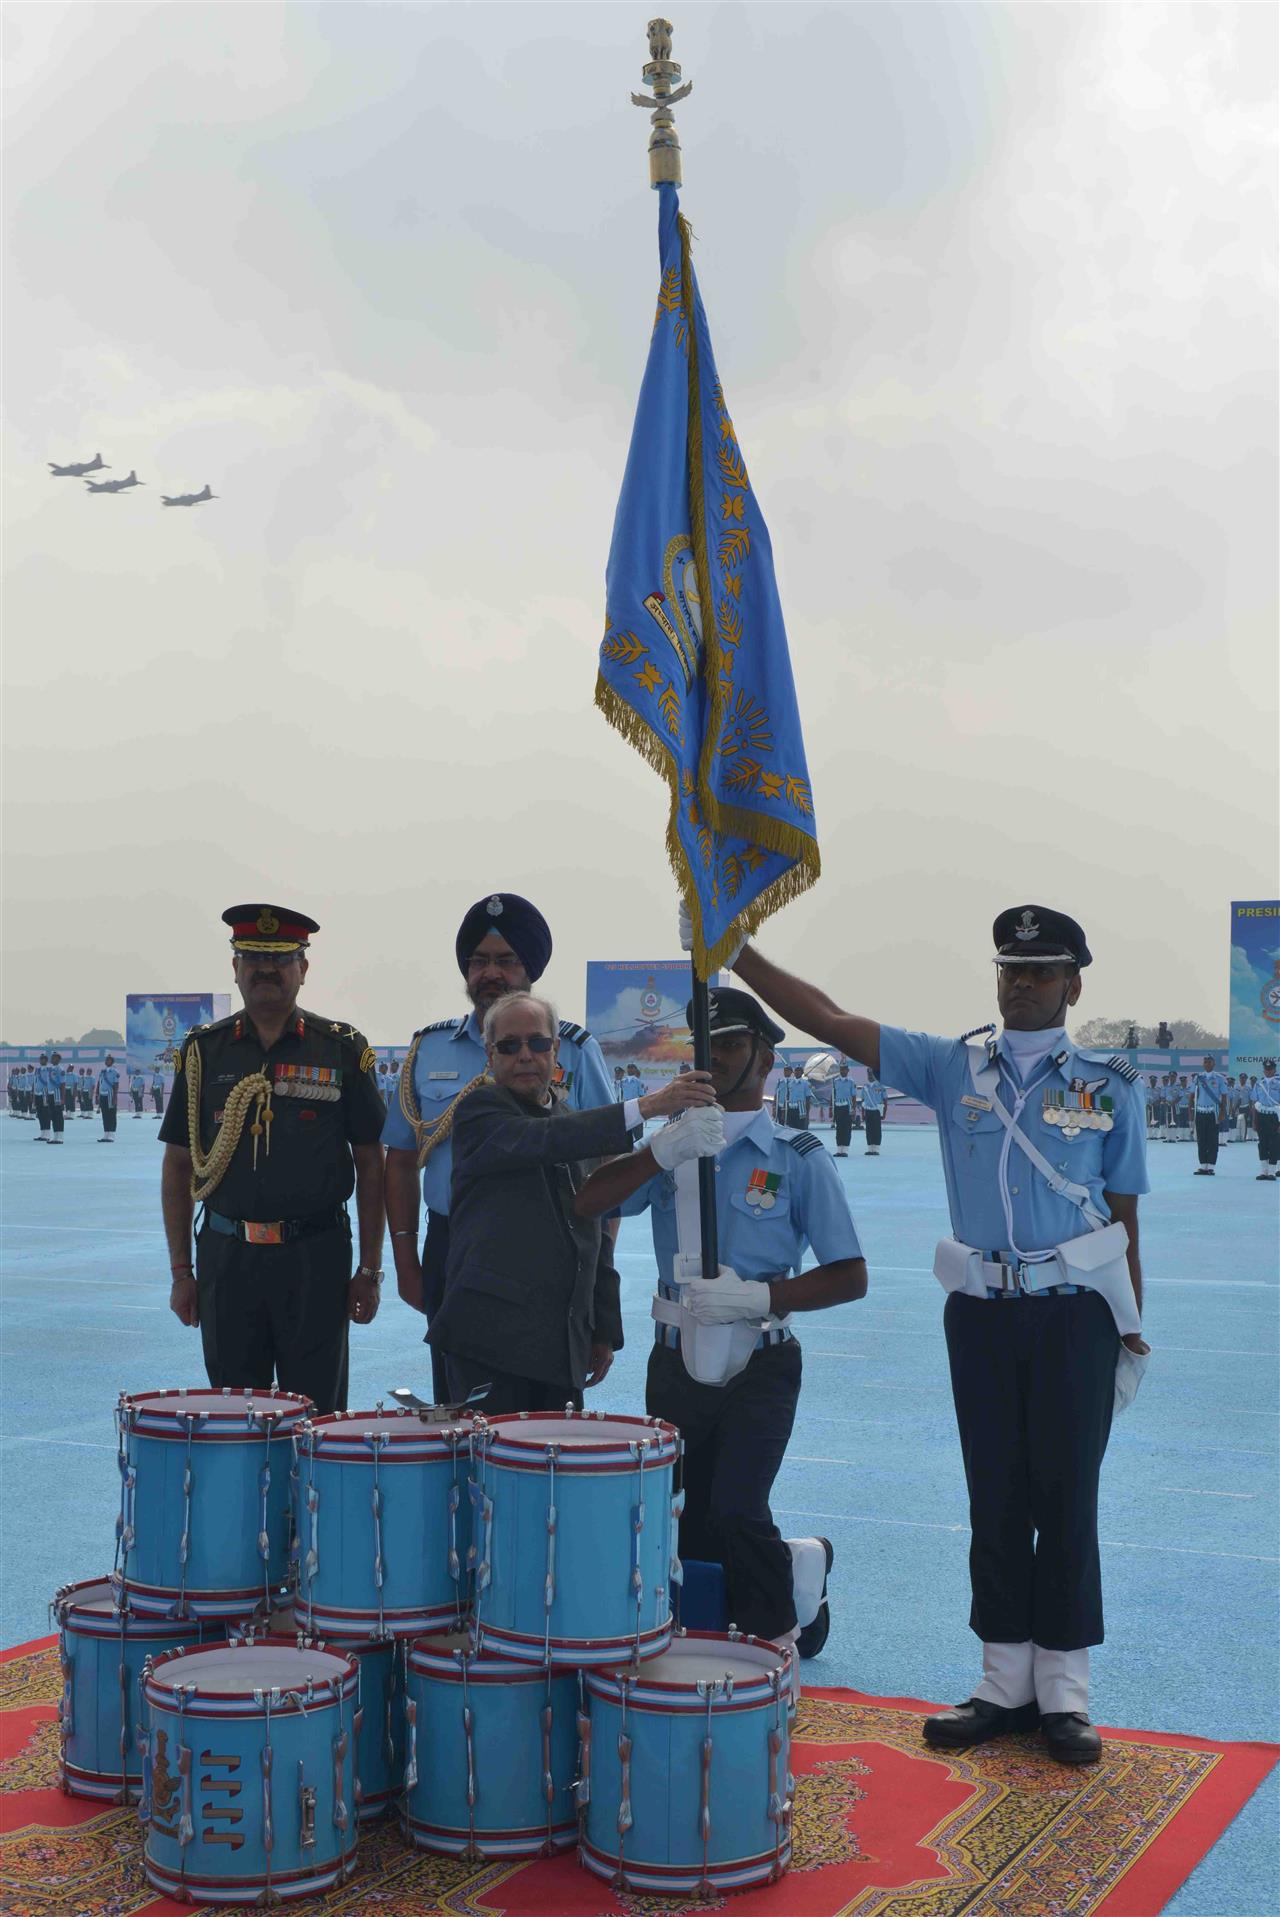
(873, 1096)
(843, 1091)
(999, 1201)
(777, 1193)
(108, 1080)
(1266, 1094)
(1210, 1090)
(450, 1055)
(632, 1085)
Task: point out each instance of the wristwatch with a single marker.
(367, 1271)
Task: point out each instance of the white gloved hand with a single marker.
(698, 1133)
(685, 921)
(722, 1300)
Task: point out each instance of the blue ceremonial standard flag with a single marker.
(694, 668)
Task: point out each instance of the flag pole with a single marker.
(662, 75)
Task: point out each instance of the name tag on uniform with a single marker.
(975, 1103)
(442, 1074)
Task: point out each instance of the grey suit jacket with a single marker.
(529, 1286)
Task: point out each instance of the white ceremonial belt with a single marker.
(669, 1311)
(1095, 1261)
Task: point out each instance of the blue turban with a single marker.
(514, 919)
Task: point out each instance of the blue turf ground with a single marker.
(1189, 1518)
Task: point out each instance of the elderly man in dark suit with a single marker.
(531, 1292)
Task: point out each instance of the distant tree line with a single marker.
(1176, 1033)
(100, 1035)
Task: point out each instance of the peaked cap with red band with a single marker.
(268, 928)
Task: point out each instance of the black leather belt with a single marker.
(275, 1231)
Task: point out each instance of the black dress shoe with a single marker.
(814, 1634)
(1070, 1737)
(977, 1721)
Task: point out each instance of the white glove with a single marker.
(722, 1300)
(685, 921)
(697, 1133)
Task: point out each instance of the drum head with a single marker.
(233, 1408)
(96, 1595)
(585, 1433)
(707, 1655)
(237, 1670)
(395, 1424)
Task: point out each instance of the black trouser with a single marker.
(1207, 1137)
(1268, 1124)
(875, 1128)
(735, 1436)
(1034, 1384)
(158, 1099)
(276, 1311)
(844, 1125)
(55, 1115)
(507, 1391)
(435, 1256)
(107, 1106)
(137, 1101)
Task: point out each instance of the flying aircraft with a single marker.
(78, 470)
(115, 485)
(188, 499)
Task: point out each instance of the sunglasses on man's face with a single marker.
(537, 1042)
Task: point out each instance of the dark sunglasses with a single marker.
(538, 1042)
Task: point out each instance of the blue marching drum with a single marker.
(379, 1723)
(102, 1649)
(492, 1753)
(686, 1769)
(382, 1525)
(574, 1536)
(249, 1771)
(204, 1520)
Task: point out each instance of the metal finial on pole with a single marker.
(661, 73)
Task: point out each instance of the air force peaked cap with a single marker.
(1033, 934)
(513, 919)
(735, 1011)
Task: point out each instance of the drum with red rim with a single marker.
(204, 1528)
(491, 1752)
(249, 1771)
(381, 1515)
(102, 1647)
(574, 1544)
(686, 1772)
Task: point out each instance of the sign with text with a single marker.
(1255, 983)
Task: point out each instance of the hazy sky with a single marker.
(993, 296)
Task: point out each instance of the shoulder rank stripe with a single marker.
(804, 1143)
(577, 1033)
(979, 1031)
(1125, 1069)
(441, 1025)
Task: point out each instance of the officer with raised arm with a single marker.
(1044, 1156)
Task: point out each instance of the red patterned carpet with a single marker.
(883, 1828)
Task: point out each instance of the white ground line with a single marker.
(1110, 1544)
(1189, 1491)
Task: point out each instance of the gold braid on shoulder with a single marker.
(207, 1172)
(429, 1136)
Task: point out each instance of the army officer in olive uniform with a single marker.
(273, 1121)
